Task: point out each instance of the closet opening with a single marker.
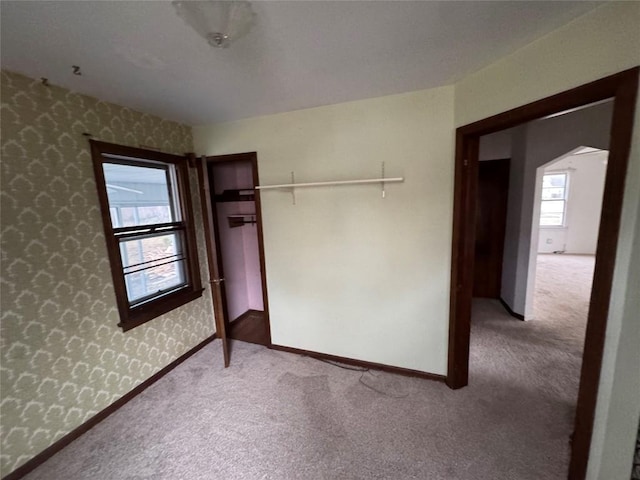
(237, 249)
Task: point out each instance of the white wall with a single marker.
(602, 42)
(618, 408)
(552, 239)
(515, 258)
(252, 270)
(597, 44)
(586, 174)
(350, 273)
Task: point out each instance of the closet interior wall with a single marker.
(238, 237)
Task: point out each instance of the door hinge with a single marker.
(192, 161)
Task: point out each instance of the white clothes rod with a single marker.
(336, 182)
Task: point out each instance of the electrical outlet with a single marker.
(549, 241)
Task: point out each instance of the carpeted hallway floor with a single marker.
(274, 415)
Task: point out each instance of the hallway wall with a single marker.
(586, 175)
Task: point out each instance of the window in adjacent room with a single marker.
(554, 200)
(146, 211)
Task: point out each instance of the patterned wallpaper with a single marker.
(63, 359)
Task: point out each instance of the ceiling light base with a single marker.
(220, 23)
(218, 40)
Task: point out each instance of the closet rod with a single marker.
(337, 182)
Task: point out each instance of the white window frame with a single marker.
(564, 199)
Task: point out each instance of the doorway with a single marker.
(567, 211)
(235, 248)
(622, 88)
(491, 220)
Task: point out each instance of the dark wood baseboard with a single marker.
(48, 452)
(360, 363)
(511, 312)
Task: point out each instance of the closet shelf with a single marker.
(382, 180)
(240, 219)
(335, 182)
(236, 195)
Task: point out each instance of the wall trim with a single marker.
(361, 363)
(508, 309)
(51, 450)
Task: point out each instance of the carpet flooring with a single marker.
(275, 415)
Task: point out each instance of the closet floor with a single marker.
(250, 327)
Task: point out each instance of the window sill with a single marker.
(143, 313)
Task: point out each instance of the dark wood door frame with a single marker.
(622, 88)
(252, 158)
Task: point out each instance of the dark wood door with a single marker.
(253, 325)
(491, 219)
(215, 274)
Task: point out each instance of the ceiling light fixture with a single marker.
(219, 22)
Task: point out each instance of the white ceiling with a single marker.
(299, 54)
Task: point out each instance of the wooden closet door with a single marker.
(215, 279)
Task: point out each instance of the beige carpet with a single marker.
(563, 287)
(274, 415)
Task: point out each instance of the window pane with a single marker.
(141, 195)
(152, 265)
(552, 213)
(552, 193)
(154, 214)
(127, 216)
(555, 180)
(553, 206)
(551, 219)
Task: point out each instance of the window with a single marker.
(554, 200)
(146, 212)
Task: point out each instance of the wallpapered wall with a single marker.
(63, 359)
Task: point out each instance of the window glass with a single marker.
(138, 195)
(553, 204)
(554, 180)
(152, 265)
(552, 193)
